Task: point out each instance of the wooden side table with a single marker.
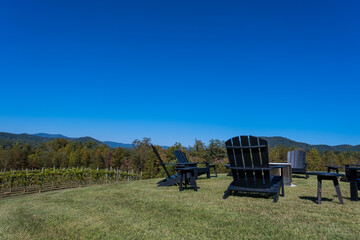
(328, 176)
(188, 175)
(333, 168)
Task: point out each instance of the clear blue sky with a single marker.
(180, 70)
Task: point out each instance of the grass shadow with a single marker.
(314, 199)
(252, 195)
(298, 176)
(189, 188)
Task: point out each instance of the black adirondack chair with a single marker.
(182, 159)
(249, 165)
(352, 172)
(171, 179)
(297, 158)
(347, 171)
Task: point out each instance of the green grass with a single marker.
(140, 210)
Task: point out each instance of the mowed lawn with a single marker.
(140, 210)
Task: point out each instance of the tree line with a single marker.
(64, 153)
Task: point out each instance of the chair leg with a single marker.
(282, 183)
(276, 198)
(187, 179)
(338, 191)
(319, 190)
(227, 194)
(181, 182)
(353, 185)
(193, 182)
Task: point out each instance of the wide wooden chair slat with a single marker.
(247, 161)
(265, 161)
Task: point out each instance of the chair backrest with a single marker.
(160, 160)
(244, 153)
(181, 157)
(347, 171)
(297, 158)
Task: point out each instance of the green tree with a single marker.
(315, 160)
(215, 151)
(100, 156)
(17, 158)
(5, 158)
(75, 158)
(85, 157)
(143, 159)
(118, 157)
(279, 153)
(170, 155)
(198, 151)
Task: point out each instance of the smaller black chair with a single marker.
(297, 158)
(352, 172)
(171, 179)
(182, 159)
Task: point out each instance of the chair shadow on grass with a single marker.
(188, 188)
(253, 195)
(298, 176)
(314, 199)
(347, 198)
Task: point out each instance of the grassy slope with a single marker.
(140, 210)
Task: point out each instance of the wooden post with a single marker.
(117, 174)
(12, 181)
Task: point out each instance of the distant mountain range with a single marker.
(8, 139)
(275, 141)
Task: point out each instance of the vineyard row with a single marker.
(39, 180)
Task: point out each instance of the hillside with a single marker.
(9, 139)
(116, 144)
(275, 141)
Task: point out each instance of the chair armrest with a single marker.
(277, 166)
(250, 168)
(190, 164)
